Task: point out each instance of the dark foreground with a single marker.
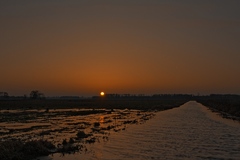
(32, 128)
(157, 102)
(103, 116)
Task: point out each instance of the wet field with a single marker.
(125, 129)
(190, 131)
(67, 129)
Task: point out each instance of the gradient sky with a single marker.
(81, 47)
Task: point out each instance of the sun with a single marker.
(102, 93)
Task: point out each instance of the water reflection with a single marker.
(188, 132)
(60, 125)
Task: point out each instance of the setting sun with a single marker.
(102, 93)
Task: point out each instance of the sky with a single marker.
(82, 47)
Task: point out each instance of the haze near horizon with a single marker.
(80, 47)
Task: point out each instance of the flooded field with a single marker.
(70, 130)
(188, 132)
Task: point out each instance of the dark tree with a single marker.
(36, 94)
(4, 94)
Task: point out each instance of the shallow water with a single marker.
(188, 132)
(59, 125)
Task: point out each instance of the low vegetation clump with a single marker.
(18, 150)
(81, 135)
(96, 124)
(69, 147)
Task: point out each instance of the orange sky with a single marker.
(143, 46)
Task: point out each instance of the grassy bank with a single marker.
(228, 106)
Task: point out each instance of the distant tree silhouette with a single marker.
(24, 96)
(4, 94)
(35, 94)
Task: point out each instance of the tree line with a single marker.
(34, 94)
